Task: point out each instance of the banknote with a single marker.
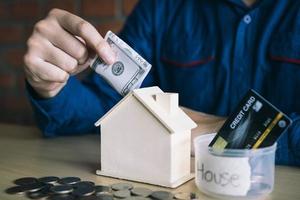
(129, 70)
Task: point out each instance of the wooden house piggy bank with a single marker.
(146, 137)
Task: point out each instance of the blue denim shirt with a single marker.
(210, 52)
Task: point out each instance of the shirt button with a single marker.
(247, 19)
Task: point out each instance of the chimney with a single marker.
(167, 101)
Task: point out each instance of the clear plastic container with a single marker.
(234, 173)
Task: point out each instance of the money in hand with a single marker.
(129, 70)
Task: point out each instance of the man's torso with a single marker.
(212, 52)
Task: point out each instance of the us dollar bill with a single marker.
(129, 70)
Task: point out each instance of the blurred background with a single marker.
(17, 18)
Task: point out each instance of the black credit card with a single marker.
(255, 123)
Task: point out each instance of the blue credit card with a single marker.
(254, 123)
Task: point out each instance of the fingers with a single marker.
(39, 70)
(59, 46)
(51, 31)
(79, 27)
(60, 59)
(82, 67)
(63, 60)
(45, 78)
(44, 50)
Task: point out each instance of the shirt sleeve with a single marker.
(288, 145)
(76, 108)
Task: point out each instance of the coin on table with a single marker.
(101, 193)
(105, 196)
(122, 186)
(49, 179)
(185, 195)
(25, 181)
(84, 190)
(44, 192)
(162, 195)
(69, 180)
(84, 183)
(137, 198)
(15, 190)
(62, 189)
(91, 197)
(61, 197)
(139, 191)
(99, 189)
(34, 187)
(122, 194)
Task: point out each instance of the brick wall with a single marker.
(17, 18)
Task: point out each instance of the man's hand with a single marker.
(206, 123)
(58, 48)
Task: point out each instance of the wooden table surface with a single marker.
(23, 152)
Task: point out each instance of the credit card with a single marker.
(255, 123)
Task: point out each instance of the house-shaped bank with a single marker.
(146, 137)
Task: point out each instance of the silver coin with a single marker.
(99, 189)
(185, 195)
(104, 193)
(139, 191)
(49, 179)
(69, 180)
(25, 181)
(137, 198)
(15, 190)
(34, 187)
(162, 195)
(62, 189)
(122, 194)
(83, 191)
(105, 197)
(37, 195)
(91, 197)
(61, 197)
(122, 186)
(44, 192)
(83, 184)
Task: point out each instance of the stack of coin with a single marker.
(72, 188)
